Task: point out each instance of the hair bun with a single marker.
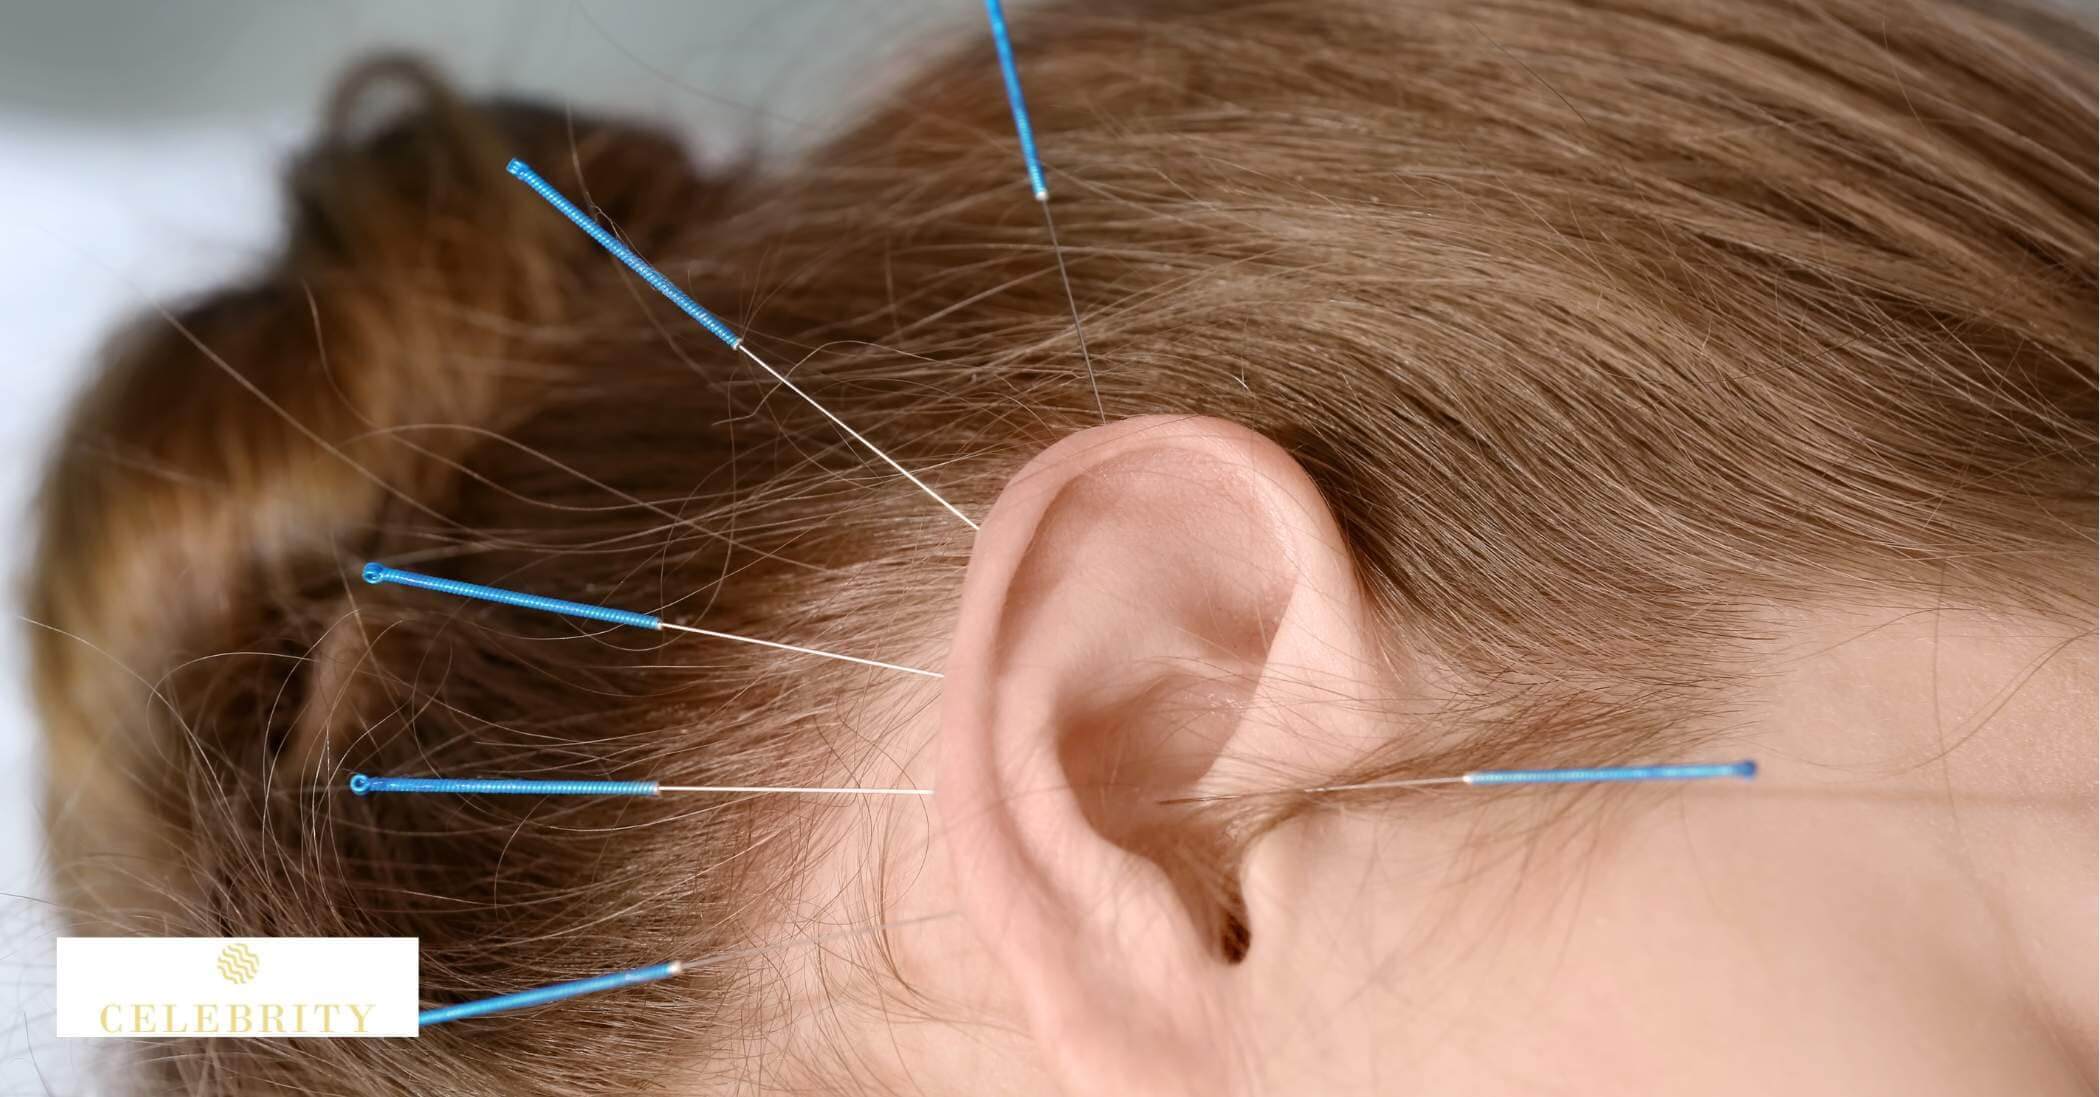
(233, 459)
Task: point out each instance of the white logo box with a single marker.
(241, 987)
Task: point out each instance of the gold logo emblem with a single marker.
(238, 963)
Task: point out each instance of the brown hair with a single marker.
(1600, 325)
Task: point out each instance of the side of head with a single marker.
(1472, 402)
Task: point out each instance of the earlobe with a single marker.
(1149, 607)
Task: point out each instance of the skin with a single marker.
(1903, 902)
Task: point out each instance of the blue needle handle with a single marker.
(363, 785)
(380, 573)
(1745, 769)
(1012, 76)
(555, 993)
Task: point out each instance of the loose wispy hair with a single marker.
(1603, 326)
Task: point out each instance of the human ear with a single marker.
(1155, 609)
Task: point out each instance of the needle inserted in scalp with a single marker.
(505, 786)
(1036, 183)
(504, 1003)
(380, 573)
(706, 319)
(655, 973)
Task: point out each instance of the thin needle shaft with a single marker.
(791, 790)
(856, 435)
(776, 645)
(1072, 303)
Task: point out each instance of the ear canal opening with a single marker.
(1126, 763)
(1235, 935)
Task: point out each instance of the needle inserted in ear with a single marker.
(1594, 775)
(706, 319)
(380, 573)
(504, 786)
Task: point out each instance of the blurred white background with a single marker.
(139, 147)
